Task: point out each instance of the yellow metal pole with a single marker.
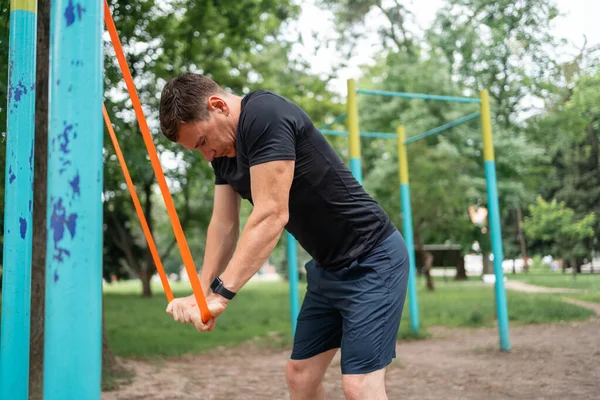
(353, 132)
(494, 220)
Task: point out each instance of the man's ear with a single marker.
(218, 104)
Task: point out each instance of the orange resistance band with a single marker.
(160, 177)
(138, 208)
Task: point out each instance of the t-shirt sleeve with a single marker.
(270, 128)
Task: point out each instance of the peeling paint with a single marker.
(58, 221)
(75, 185)
(11, 175)
(70, 11)
(23, 227)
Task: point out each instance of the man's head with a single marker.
(198, 114)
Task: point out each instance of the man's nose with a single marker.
(208, 154)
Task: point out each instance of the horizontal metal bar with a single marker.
(442, 128)
(377, 135)
(420, 96)
(337, 119)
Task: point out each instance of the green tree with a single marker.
(558, 229)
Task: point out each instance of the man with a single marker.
(264, 148)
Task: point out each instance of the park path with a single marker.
(550, 361)
(528, 288)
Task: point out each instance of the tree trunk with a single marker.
(521, 237)
(488, 266)
(427, 264)
(147, 270)
(40, 168)
(145, 278)
(461, 272)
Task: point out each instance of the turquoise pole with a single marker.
(494, 220)
(408, 228)
(16, 278)
(420, 96)
(356, 169)
(408, 237)
(292, 256)
(73, 331)
(442, 128)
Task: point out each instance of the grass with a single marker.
(591, 297)
(138, 327)
(559, 280)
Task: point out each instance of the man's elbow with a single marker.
(279, 218)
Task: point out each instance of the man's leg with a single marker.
(305, 377)
(369, 386)
(318, 336)
(370, 295)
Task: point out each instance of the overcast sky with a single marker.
(580, 19)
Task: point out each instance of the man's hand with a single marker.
(216, 305)
(177, 307)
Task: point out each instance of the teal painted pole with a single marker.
(442, 128)
(420, 96)
(407, 228)
(374, 135)
(494, 221)
(73, 331)
(18, 195)
(292, 256)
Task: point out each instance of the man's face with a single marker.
(214, 137)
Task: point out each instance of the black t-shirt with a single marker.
(330, 214)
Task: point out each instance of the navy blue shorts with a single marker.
(357, 308)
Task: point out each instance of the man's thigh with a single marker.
(319, 325)
(370, 296)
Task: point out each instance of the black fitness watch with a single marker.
(218, 288)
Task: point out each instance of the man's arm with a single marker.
(270, 182)
(222, 234)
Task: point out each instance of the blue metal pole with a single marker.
(407, 228)
(494, 221)
(375, 135)
(340, 118)
(73, 331)
(420, 96)
(16, 274)
(292, 256)
(442, 128)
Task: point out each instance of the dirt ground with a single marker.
(558, 361)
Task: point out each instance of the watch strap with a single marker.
(218, 288)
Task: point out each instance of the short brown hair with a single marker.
(183, 100)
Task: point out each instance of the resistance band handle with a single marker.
(160, 177)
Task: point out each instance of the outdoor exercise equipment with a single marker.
(356, 167)
(73, 314)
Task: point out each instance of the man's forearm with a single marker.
(220, 245)
(259, 237)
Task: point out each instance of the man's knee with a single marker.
(365, 386)
(300, 376)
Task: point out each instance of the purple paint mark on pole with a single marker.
(80, 11)
(58, 221)
(55, 276)
(31, 156)
(16, 92)
(23, 227)
(58, 81)
(75, 185)
(11, 175)
(30, 203)
(64, 138)
(70, 12)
